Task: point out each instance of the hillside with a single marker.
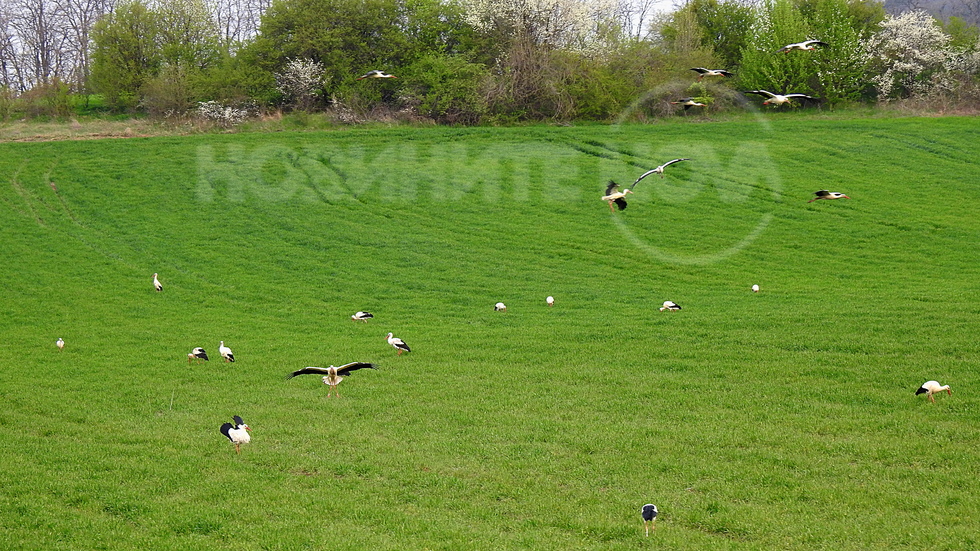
(780, 420)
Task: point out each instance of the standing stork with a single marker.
(156, 283)
(702, 72)
(375, 74)
(649, 514)
(932, 387)
(237, 433)
(613, 195)
(362, 316)
(225, 352)
(399, 344)
(332, 376)
(805, 45)
(755, 288)
(197, 354)
(779, 99)
(60, 343)
(659, 170)
(670, 306)
(550, 301)
(500, 307)
(824, 194)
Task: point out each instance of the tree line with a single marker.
(468, 61)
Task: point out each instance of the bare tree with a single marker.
(40, 27)
(80, 16)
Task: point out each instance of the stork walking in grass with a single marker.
(755, 288)
(362, 316)
(702, 72)
(156, 284)
(649, 514)
(375, 74)
(225, 352)
(613, 195)
(670, 306)
(550, 301)
(500, 307)
(332, 376)
(829, 195)
(780, 99)
(805, 45)
(60, 343)
(197, 354)
(659, 170)
(237, 433)
(399, 344)
(933, 387)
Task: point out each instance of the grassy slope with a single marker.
(779, 420)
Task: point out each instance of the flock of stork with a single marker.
(771, 98)
(238, 432)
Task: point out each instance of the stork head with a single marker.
(627, 190)
(947, 389)
(389, 336)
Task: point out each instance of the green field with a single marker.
(779, 420)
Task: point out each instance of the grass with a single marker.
(779, 420)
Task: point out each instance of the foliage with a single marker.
(125, 53)
(447, 88)
(167, 94)
(910, 56)
(722, 28)
(779, 23)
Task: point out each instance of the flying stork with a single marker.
(779, 99)
(399, 344)
(932, 387)
(362, 316)
(613, 195)
(649, 514)
(375, 74)
(225, 352)
(805, 45)
(670, 306)
(830, 195)
(237, 433)
(688, 103)
(156, 283)
(659, 170)
(197, 354)
(702, 72)
(332, 376)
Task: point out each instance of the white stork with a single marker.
(156, 283)
(688, 103)
(779, 99)
(362, 316)
(500, 307)
(237, 433)
(670, 306)
(375, 74)
(60, 343)
(649, 514)
(755, 288)
(550, 301)
(225, 352)
(702, 72)
(805, 45)
(613, 195)
(659, 170)
(932, 387)
(332, 376)
(830, 195)
(399, 344)
(197, 354)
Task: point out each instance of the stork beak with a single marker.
(846, 197)
(949, 391)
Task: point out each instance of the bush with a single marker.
(446, 89)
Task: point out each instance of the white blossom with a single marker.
(301, 81)
(913, 53)
(572, 24)
(222, 114)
